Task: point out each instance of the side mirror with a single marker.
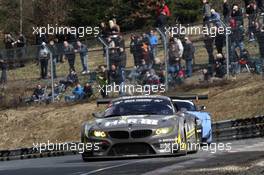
(97, 115)
(202, 108)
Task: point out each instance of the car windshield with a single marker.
(181, 104)
(139, 107)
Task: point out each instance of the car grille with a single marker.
(119, 134)
(141, 133)
(131, 149)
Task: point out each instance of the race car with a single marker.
(140, 126)
(204, 118)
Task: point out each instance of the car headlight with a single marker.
(100, 134)
(162, 131)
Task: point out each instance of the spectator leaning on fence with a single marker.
(82, 49)
(188, 56)
(21, 51)
(69, 54)
(44, 61)
(174, 57)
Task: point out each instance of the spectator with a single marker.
(237, 15)
(153, 39)
(138, 73)
(146, 53)
(38, 93)
(206, 75)
(55, 56)
(179, 43)
(71, 79)
(113, 28)
(209, 46)
(151, 78)
(9, 42)
(88, 91)
(104, 30)
(21, 51)
(260, 38)
(188, 55)
(69, 54)
(3, 67)
(114, 57)
(134, 45)
(206, 13)
(215, 18)
(251, 11)
(116, 25)
(220, 69)
(219, 42)
(102, 80)
(237, 35)
(60, 38)
(44, 60)
(163, 12)
(121, 49)
(260, 6)
(115, 75)
(70, 37)
(83, 51)
(77, 94)
(159, 69)
(39, 40)
(226, 11)
(174, 57)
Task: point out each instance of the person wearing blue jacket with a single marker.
(77, 92)
(153, 39)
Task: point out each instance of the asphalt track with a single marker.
(242, 151)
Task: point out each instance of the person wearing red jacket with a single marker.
(163, 12)
(163, 9)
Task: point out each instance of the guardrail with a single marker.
(222, 131)
(238, 129)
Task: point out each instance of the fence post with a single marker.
(106, 52)
(51, 74)
(164, 39)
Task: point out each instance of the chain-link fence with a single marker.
(147, 58)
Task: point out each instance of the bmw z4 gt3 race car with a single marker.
(140, 126)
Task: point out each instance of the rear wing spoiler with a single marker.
(189, 97)
(103, 101)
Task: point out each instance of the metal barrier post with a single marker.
(52, 76)
(164, 39)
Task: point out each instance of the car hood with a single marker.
(134, 122)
